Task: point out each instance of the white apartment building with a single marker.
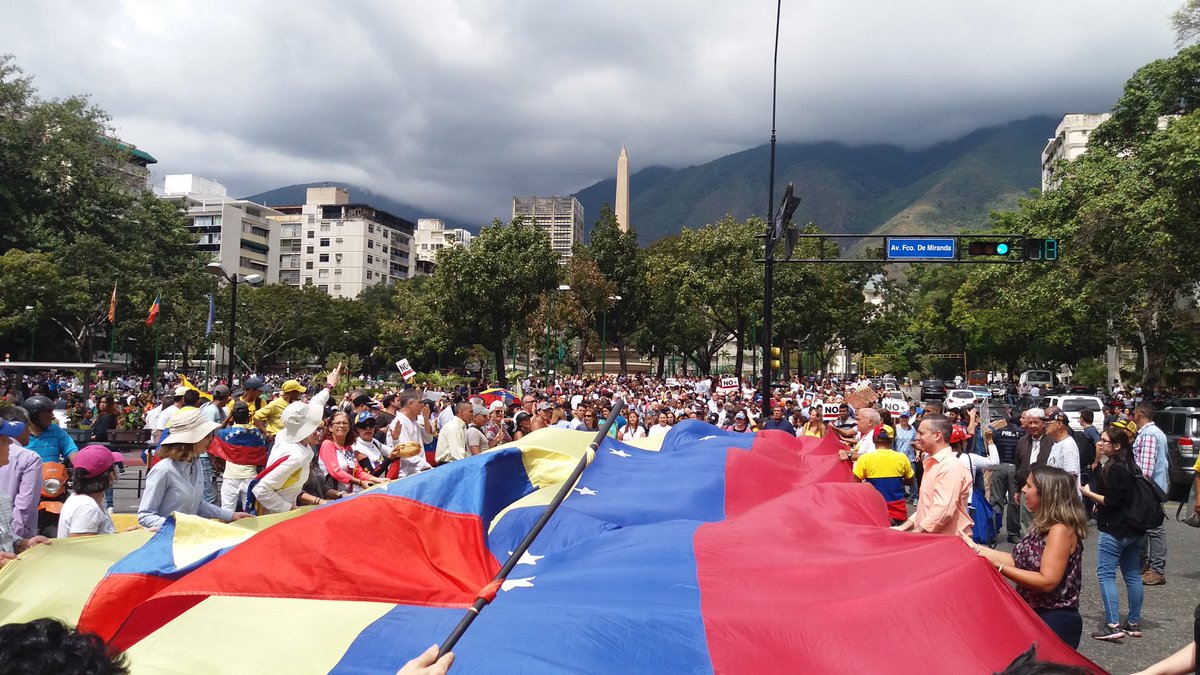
(237, 233)
(1069, 142)
(432, 236)
(562, 217)
(342, 247)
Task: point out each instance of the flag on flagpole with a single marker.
(112, 306)
(211, 312)
(154, 310)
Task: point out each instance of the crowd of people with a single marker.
(268, 445)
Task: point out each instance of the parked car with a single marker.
(1072, 405)
(933, 389)
(1182, 427)
(981, 392)
(957, 398)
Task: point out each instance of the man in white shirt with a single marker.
(452, 437)
(405, 433)
(1065, 452)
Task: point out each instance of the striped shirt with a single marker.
(1149, 453)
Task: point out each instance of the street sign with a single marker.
(921, 248)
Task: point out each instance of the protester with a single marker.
(1119, 544)
(372, 455)
(21, 477)
(946, 486)
(1046, 564)
(269, 416)
(84, 514)
(244, 450)
(338, 458)
(662, 427)
(106, 421)
(46, 646)
(176, 482)
(1150, 455)
(522, 425)
(888, 472)
(288, 466)
(408, 437)
(46, 438)
(1032, 449)
(10, 543)
(633, 428)
(452, 436)
(815, 426)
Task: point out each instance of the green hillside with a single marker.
(865, 189)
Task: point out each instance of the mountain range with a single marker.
(868, 189)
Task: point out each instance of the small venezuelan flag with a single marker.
(154, 310)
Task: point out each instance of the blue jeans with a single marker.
(1123, 552)
(210, 481)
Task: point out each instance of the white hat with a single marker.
(190, 426)
(497, 405)
(301, 419)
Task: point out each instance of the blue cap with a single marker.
(361, 419)
(12, 428)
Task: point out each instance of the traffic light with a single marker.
(776, 355)
(988, 248)
(1041, 249)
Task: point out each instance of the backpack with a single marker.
(987, 522)
(1145, 503)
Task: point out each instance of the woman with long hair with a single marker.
(1046, 564)
(633, 427)
(1119, 544)
(338, 458)
(815, 426)
(106, 420)
(176, 481)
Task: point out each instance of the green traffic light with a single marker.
(1001, 249)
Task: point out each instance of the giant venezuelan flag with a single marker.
(715, 552)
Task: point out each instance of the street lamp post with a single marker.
(549, 311)
(604, 335)
(234, 280)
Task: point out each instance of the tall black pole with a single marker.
(768, 265)
(232, 350)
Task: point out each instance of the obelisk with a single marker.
(622, 203)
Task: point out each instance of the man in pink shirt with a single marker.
(946, 486)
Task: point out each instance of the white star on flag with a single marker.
(585, 491)
(620, 453)
(707, 438)
(510, 584)
(528, 558)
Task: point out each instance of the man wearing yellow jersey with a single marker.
(269, 418)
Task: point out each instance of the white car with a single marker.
(981, 393)
(957, 398)
(1071, 404)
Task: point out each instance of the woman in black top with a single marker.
(1119, 544)
(106, 422)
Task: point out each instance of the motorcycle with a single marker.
(55, 484)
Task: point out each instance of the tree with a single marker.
(1186, 22)
(590, 296)
(60, 196)
(414, 329)
(621, 261)
(485, 291)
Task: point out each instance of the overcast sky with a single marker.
(457, 105)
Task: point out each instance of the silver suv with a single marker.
(1182, 427)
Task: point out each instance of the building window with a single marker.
(324, 288)
(324, 227)
(370, 260)
(370, 243)
(337, 271)
(324, 257)
(322, 274)
(308, 249)
(370, 228)
(338, 240)
(308, 265)
(324, 241)
(311, 234)
(368, 274)
(308, 281)
(385, 249)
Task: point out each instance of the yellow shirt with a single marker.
(271, 415)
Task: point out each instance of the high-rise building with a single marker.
(1069, 142)
(342, 247)
(561, 217)
(622, 200)
(432, 236)
(132, 167)
(237, 233)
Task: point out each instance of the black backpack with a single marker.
(1145, 503)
